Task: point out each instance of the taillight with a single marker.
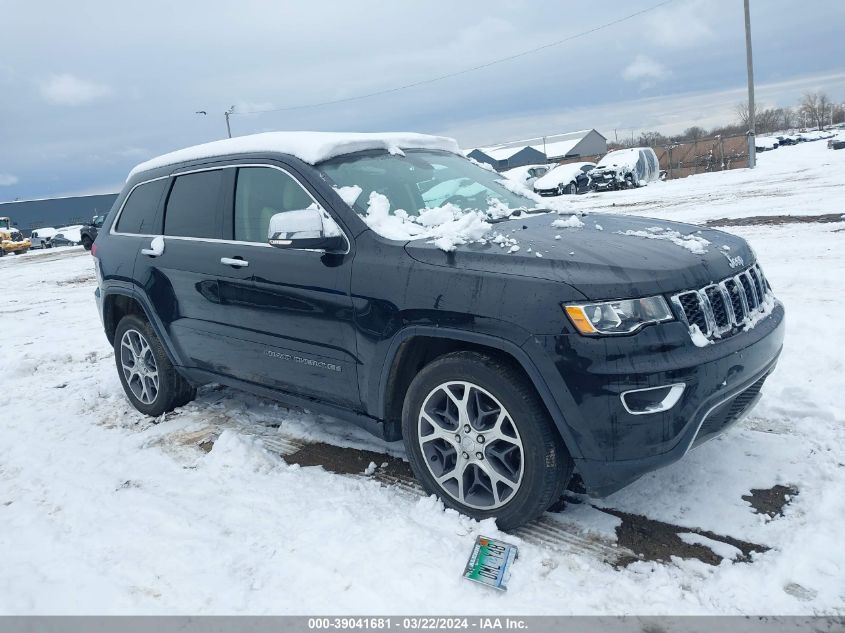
(94, 250)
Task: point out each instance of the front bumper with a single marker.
(611, 446)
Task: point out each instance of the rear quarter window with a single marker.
(139, 210)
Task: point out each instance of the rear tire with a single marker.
(511, 446)
(149, 379)
(86, 242)
(573, 188)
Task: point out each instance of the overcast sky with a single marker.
(90, 88)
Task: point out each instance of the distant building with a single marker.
(28, 215)
(503, 158)
(553, 148)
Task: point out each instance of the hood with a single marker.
(610, 256)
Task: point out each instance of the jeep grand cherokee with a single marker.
(389, 281)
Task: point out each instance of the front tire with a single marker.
(573, 188)
(478, 437)
(149, 379)
(87, 242)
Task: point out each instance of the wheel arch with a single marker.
(413, 348)
(119, 302)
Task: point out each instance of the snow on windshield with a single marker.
(423, 194)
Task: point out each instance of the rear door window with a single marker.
(140, 209)
(194, 205)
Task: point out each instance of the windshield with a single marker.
(423, 179)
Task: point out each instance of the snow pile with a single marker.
(349, 194)
(693, 243)
(240, 452)
(572, 222)
(311, 147)
(73, 233)
(505, 242)
(446, 226)
(395, 226)
(521, 190)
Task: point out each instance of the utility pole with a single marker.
(752, 152)
(227, 114)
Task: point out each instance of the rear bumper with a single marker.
(612, 446)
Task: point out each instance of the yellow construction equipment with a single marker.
(11, 239)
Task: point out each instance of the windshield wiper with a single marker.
(517, 213)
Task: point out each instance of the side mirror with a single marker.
(305, 229)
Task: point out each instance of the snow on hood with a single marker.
(560, 175)
(311, 147)
(602, 255)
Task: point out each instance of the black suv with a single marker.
(506, 358)
(88, 233)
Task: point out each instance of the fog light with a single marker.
(652, 399)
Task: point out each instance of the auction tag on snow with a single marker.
(490, 562)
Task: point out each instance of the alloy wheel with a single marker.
(139, 366)
(470, 445)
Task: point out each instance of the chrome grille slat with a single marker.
(723, 307)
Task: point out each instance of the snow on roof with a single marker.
(311, 147)
(556, 145)
(558, 148)
(501, 153)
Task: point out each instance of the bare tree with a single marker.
(838, 113)
(652, 139)
(742, 113)
(815, 106)
(768, 120)
(787, 118)
(694, 133)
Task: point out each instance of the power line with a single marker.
(457, 73)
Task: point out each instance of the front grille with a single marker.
(726, 307)
(748, 288)
(729, 412)
(719, 306)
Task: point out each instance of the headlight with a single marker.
(618, 317)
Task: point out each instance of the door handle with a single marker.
(234, 261)
(156, 247)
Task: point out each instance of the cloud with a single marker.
(66, 89)
(645, 70)
(7, 180)
(683, 25)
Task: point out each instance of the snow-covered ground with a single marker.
(803, 179)
(104, 511)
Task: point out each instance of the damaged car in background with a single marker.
(625, 169)
(570, 178)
